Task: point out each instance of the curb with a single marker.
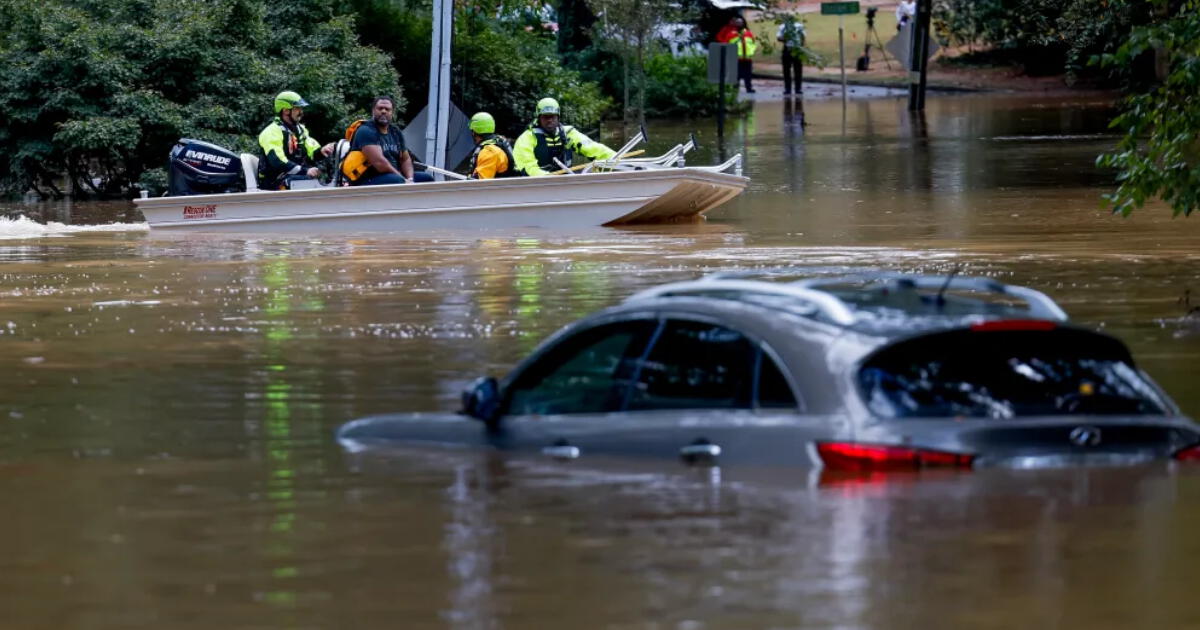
(899, 84)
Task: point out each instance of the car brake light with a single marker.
(1189, 454)
(1013, 324)
(852, 456)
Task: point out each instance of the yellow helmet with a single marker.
(547, 106)
(288, 100)
(482, 123)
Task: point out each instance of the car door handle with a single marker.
(700, 452)
(561, 449)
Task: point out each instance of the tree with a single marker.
(99, 90)
(503, 60)
(1044, 36)
(1159, 156)
(630, 29)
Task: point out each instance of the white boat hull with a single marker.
(566, 201)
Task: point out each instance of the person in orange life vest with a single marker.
(736, 33)
(493, 156)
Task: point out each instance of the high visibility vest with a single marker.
(745, 44)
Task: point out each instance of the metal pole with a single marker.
(842, 55)
(439, 85)
(918, 58)
(721, 99)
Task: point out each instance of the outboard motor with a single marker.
(203, 168)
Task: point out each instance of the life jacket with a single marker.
(294, 148)
(498, 141)
(550, 147)
(746, 46)
(355, 163)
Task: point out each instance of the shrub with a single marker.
(103, 90)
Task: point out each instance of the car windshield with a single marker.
(1006, 374)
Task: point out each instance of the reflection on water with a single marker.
(172, 398)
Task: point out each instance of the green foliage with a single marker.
(1159, 157)
(103, 88)
(679, 87)
(506, 71)
(629, 29)
(1044, 36)
(497, 65)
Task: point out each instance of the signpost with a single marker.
(439, 85)
(722, 69)
(918, 59)
(841, 9)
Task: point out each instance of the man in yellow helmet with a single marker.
(288, 150)
(546, 139)
(492, 156)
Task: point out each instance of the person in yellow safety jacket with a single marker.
(288, 152)
(492, 156)
(546, 139)
(737, 34)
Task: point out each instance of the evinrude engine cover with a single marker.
(203, 168)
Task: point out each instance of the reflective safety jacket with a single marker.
(286, 150)
(535, 149)
(493, 158)
(744, 40)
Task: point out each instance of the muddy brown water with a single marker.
(166, 452)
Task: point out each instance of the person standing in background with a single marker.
(905, 11)
(791, 34)
(737, 34)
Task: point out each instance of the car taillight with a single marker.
(1002, 325)
(852, 456)
(1189, 454)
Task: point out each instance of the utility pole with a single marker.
(918, 58)
(439, 85)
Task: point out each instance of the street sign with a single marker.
(715, 51)
(839, 8)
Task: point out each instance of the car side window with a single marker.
(588, 372)
(696, 365)
(773, 389)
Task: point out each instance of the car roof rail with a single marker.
(1039, 305)
(831, 306)
(817, 292)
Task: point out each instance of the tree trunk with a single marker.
(625, 109)
(641, 74)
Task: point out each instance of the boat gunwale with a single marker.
(699, 174)
(380, 213)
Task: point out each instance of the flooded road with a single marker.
(167, 456)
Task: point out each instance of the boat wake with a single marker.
(24, 227)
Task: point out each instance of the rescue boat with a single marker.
(618, 192)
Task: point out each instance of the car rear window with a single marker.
(1005, 374)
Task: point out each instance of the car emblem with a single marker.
(1085, 436)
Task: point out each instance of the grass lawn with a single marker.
(823, 35)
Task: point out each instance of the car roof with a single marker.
(884, 304)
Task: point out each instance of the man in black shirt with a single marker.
(383, 146)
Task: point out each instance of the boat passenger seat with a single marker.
(250, 171)
(340, 151)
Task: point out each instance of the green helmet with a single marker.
(547, 106)
(288, 100)
(482, 123)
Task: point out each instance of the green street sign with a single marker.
(839, 8)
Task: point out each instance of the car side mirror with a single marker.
(481, 399)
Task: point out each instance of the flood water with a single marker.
(166, 452)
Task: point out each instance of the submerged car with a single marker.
(869, 372)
